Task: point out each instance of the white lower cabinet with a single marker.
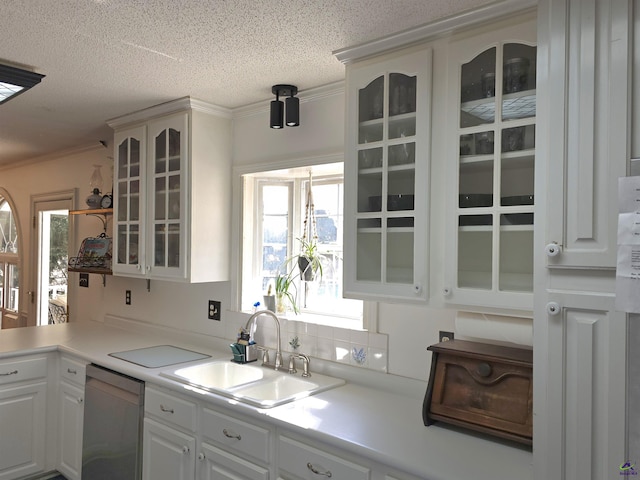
(297, 460)
(216, 464)
(23, 392)
(168, 454)
(185, 440)
(70, 417)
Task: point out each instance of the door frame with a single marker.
(60, 200)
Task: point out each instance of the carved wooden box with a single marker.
(484, 387)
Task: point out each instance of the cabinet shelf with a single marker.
(92, 211)
(100, 271)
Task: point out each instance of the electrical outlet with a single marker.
(127, 297)
(445, 336)
(214, 310)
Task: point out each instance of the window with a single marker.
(274, 221)
(9, 272)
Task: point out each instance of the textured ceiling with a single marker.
(106, 58)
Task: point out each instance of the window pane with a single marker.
(14, 279)
(8, 231)
(275, 229)
(274, 204)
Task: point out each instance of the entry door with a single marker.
(51, 239)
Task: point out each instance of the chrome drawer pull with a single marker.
(72, 371)
(231, 435)
(14, 372)
(326, 473)
(166, 409)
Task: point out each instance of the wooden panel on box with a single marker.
(488, 388)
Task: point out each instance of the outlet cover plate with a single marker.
(214, 310)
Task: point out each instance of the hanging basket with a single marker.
(306, 270)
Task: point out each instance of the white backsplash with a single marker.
(352, 347)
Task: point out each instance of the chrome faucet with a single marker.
(278, 361)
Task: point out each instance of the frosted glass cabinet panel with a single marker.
(128, 222)
(490, 257)
(386, 172)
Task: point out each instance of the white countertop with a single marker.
(383, 426)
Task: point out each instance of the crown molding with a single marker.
(173, 106)
(97, 146)
(430, 31)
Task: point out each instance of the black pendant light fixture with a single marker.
(291, 107)
(14, 81)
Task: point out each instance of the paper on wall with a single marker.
(628, 262)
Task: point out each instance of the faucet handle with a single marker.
(292, 364)
(265, 354)
(305, 364)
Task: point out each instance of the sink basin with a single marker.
(273, 392)
(252, 384)
(217, 374)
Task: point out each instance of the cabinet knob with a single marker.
(446, 291)
(185, 450)
(417, 289)
(552, 249)
(166, 409)
(80, 400)
(553, 308)
(201, 456)
(72, 371)
(484, 369)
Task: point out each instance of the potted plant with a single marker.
(284, 284)
(309, 260)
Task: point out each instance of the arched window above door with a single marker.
(9, 264)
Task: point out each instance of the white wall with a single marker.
(182, 306)
(70, 171)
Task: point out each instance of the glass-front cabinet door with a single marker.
(166, 239)
(490, 260)
(128, 194)
(386, 178)
(149, 192)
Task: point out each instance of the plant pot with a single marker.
(306, 271)
(270, 302)
(281, 305)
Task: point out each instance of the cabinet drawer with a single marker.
(24, 369)
(236, 435)
(171, 409)
(220, 464)
(73, 370)
(310, 463)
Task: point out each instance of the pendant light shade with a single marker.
(291, 107)
(277, 114)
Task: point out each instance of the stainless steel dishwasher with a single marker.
(113, 416)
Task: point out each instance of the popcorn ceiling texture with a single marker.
(106, 58)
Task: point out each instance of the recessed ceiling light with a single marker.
(14, 81)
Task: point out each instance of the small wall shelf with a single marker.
(103, 215)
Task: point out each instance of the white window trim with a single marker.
(369, 320)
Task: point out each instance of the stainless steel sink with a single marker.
(250, 383)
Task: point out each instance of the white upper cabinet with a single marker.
(172, 198)
(490, 207)
(587, 137)
(387, 177)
